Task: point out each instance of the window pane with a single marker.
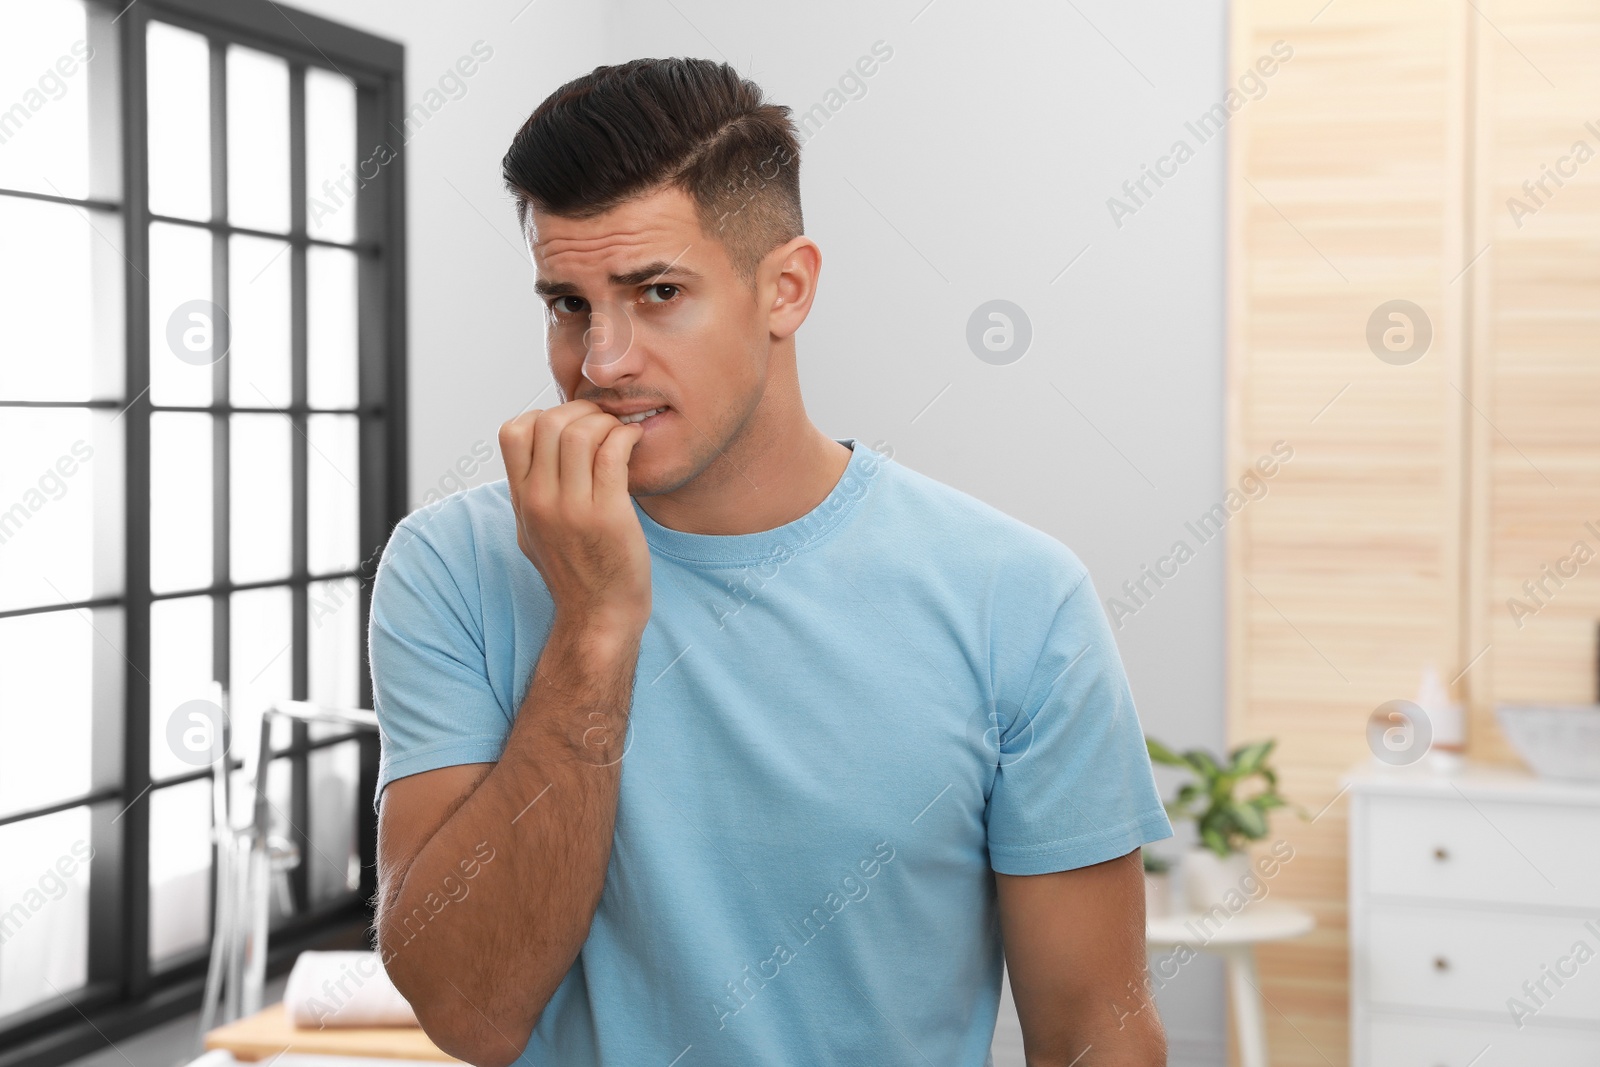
(45, 60)
(180, 672)
(331, 328)
(60, 300)
(49, 484)
(180, 501)
(258, 140)
(47, 671)
(334, 626)
(332, 474)
(261, 661)
(178, 63)
(331, 176)
(258, 294)
(259, 492)
(186, 332)
(335, 860)
(44, 882)
(180, 869)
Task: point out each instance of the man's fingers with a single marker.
(516, 446)
(578, 443)
(546, 472)
(576, 450)
(611, 462)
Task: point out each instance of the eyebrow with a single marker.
(638, 276)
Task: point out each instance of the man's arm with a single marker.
(479, 960)
(541, 820)
(1075, 955)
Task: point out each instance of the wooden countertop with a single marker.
(269, 1032)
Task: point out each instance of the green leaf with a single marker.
(1203, 763)
(1215, 842)
(1217, 819)
(1250, 821)
(1177, 809)
(1247, 759)
(1160, 753)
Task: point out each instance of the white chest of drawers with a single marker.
(1474, 919)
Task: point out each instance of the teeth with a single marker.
(641, 416)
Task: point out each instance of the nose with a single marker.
(608, 343)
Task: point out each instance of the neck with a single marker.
(779, 468)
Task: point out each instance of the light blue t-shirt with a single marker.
(839, 727)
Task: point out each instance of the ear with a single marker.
(787, 282)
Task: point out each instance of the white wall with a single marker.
(977, 165)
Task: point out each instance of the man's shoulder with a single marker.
(455, 530)
(954, 523)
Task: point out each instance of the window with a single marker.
(202, 402)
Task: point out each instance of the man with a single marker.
(708, 738)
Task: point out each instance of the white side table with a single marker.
(1235, 941)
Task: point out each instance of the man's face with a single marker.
(644, 310)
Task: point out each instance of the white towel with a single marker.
(217, 1057)
(329, 989)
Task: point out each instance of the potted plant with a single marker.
(1228, 818)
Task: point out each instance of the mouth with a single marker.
(641, 416)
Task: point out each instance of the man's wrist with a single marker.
(580, 694)
(602, 640)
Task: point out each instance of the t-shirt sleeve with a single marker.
(1073, 785)
(430, 682)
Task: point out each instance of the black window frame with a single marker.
(122, 995)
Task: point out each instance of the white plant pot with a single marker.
(1209, 880)
(1158, 895)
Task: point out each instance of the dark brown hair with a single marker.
(626, 130)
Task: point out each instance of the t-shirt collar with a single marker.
(780, 542)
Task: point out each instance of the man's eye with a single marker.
(560, 304)
(671, 291)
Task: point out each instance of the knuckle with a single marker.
(575, 432)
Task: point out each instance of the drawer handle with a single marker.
(1440, 963)
(1441, 853)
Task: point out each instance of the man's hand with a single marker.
(568, 471)
(1075, 956)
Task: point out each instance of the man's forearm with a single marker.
(547, 809)
(1105, 1036)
